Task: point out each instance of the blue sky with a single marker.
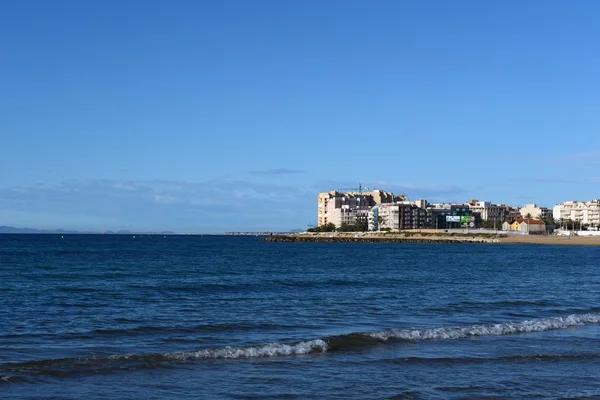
(208, 116)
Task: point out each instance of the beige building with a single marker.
(324, 200)
(579, 211)
(535, 212)
(421, 203)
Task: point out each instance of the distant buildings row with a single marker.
(380, 210)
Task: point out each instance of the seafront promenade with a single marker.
(438, 237)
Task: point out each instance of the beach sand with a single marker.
(552, 240)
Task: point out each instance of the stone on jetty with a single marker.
(376, 239)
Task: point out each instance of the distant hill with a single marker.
(12, 229)
(126, 232)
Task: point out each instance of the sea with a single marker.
(235, 317)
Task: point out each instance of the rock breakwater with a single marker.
(378, 239)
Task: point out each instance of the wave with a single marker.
(350, 342)
(65, 367)
(505, 328)
(269, 350)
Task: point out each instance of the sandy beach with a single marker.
(551, 240)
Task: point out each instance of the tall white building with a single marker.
(397, 216)
(579, 211)
(384, 216)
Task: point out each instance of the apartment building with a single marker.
(488, 211)
(412, 216)
(579, 211)
(536, 212)
(397, 216)
(340, 207)
(347, 215)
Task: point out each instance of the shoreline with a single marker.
(417, 237)
(553, 240)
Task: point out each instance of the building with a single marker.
(412, 216)
(347, 215)
(527, 226)
(585, 213)
(329, 202)
(512, 213)
(533, 226)
(488, 211)
(397, 216)
(346, 209)
(421, 203)
(533, 211)
(340, 207)
(450, 216)
(324, 199)
(384, 217)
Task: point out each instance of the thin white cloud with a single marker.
(161, 199)
(276, 171)
(197, 206)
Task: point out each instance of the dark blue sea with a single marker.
(215, 317)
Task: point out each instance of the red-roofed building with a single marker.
(527, 226)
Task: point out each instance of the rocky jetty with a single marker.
(374, 238)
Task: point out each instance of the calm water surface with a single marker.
(175, 317)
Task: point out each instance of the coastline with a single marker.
(557, 240)
(372, 237)
(419, 237)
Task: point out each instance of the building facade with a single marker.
(488, 211)
(449, 216)
(337, 207)
(533, 211)
(397, 216)
(579, 211)
(526, 226)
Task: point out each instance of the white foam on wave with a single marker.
(268, 350)
(321, 345)
(506, 328)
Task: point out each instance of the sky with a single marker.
(214, 116)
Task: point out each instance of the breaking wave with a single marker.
(269, 350)
(505, 328)
(12, 372)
